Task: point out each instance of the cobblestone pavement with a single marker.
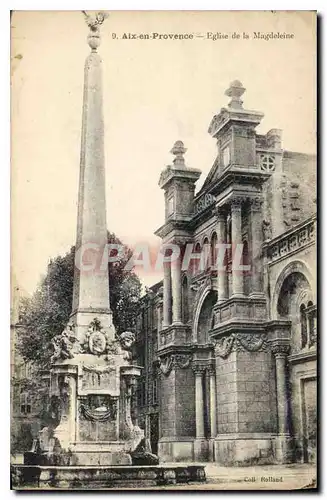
(265, 477)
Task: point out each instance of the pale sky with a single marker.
(155, 92)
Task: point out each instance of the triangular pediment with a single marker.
(211, 177)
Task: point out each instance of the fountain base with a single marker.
(30, 477)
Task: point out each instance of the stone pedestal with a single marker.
(176, 443)
(283, 449)
(242, 449)
(201, 449)
(91, 395)
(246, 410)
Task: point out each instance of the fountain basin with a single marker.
(30, 477)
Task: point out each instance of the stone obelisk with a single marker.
(92, 373)
(91, 280)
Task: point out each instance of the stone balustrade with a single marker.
(296, 238)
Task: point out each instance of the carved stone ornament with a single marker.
(98, 408)
(182, 360)
(126, 340)
(240, 342)
(65, 344)
(280, 349)
(97, 343)
(164, 175)
(96, 339)
(94, 24)
(223, 347)
(256, 204)
(199, 367)
(167, 363)
(266, 230)
(217, 120)
(236, 203)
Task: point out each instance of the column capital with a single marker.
(219, 213)
(236, 203)
(256, 203)
(280, 350)
(198, 367)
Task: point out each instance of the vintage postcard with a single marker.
(163, 259)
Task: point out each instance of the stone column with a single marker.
(237, 274)
(221, 239)
(213, 403)
(159, 322)
(256, 262)
(166, 295)
(280, 352)
(199, 403)
(176, 280)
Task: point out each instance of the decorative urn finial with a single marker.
(235, 91)
(94, 24)
(178, 150)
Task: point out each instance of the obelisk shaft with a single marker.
(91, 279)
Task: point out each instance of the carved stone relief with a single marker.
(240, 342)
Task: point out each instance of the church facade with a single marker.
(230, 341)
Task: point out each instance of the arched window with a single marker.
(195, 263)
(205, 256)
(214, 251)
(185, 301)
(304, 332)
(312, 315)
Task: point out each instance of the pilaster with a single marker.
(221, 230)
(237, 274)
(256, 262)
(283, 450)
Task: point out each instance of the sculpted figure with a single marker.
(94, 22)
(266, 230)
(64, 344)
(126, 340)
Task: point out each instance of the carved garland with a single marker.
(167, 363)
(102, 414)
(240, 342)
(98, 369)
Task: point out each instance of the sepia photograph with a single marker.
(163, 316)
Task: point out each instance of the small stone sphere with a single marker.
(93, 41)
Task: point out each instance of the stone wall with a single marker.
(167, 404)
(303, 387)
(245, 393)
(185, 402)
